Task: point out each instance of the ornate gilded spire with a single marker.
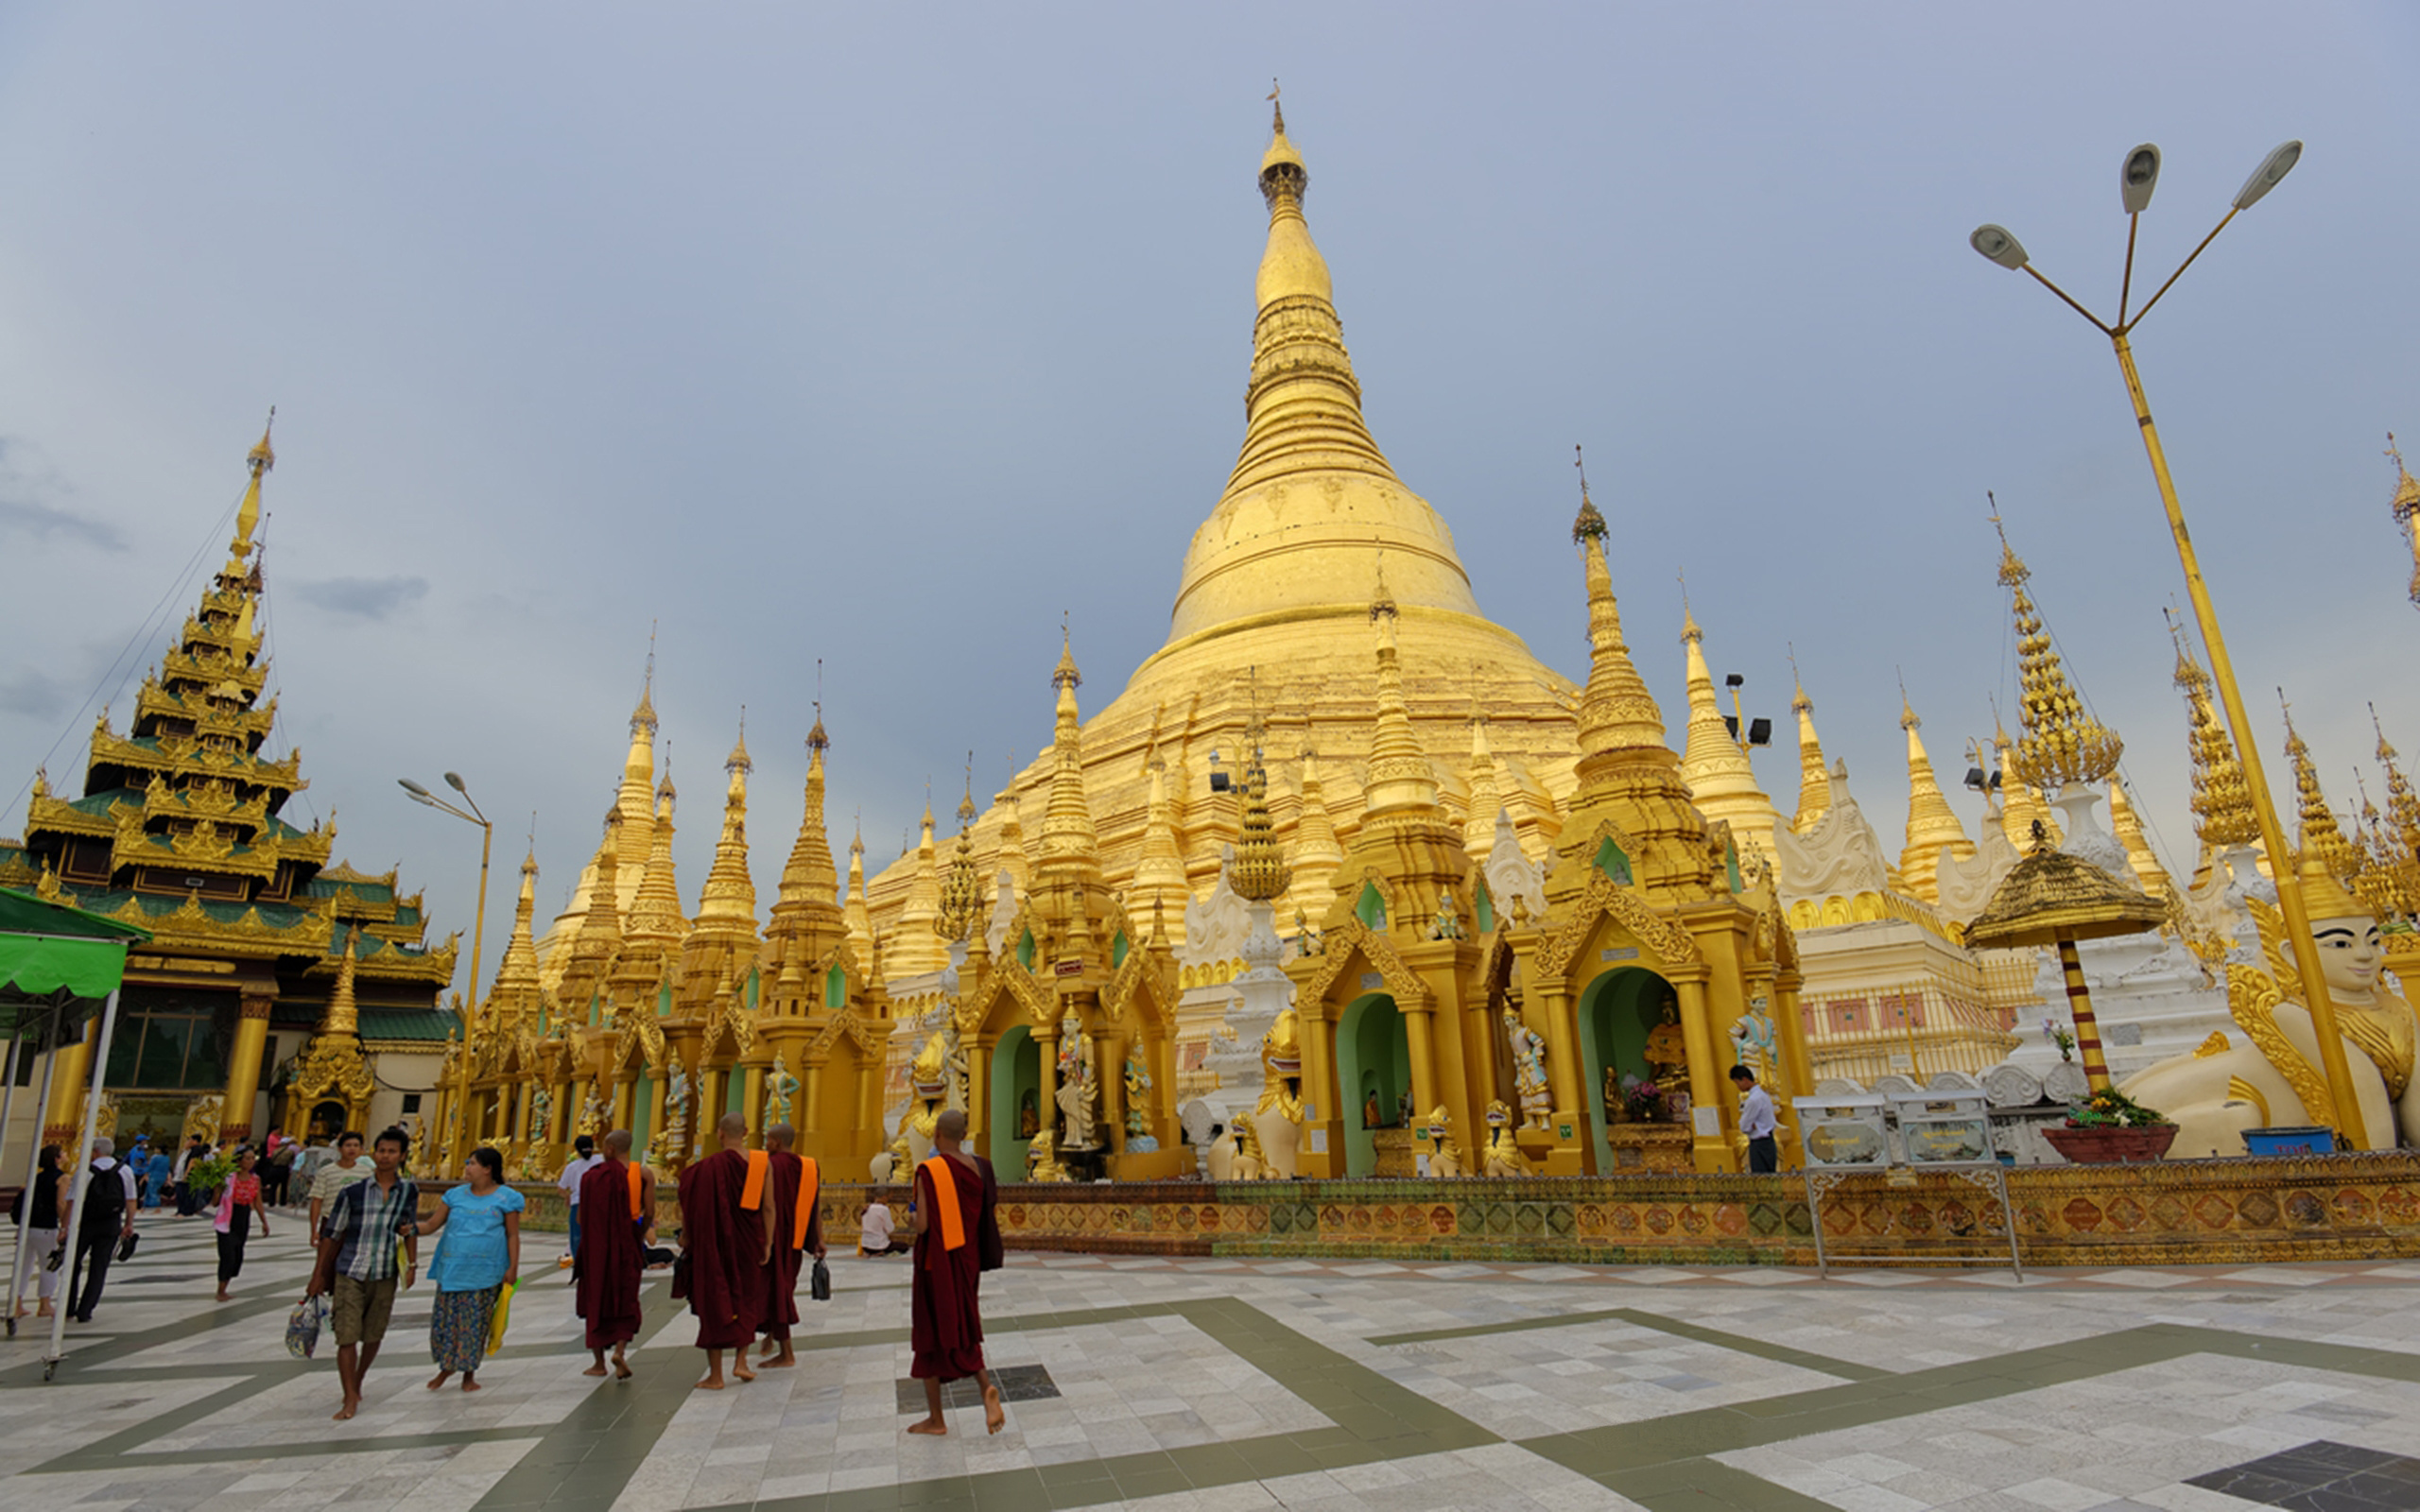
(1402, 781)
(637, 798)
(656, 925)
(2223, 813)
(1722, 782)
(1932, 822)
(810, 877)
(515, 992)
(2402, 807)
(2321, 838)
(2407, 508)
(247, 514)
(727, 904)
(2060, 743)
(1487, 794)
(1011, 857)
(1616, 713)
(962, 887)
(2021, 807)
(342, 1015)
(1814, 773)
(1159, 869)
(2128, 826)
(916, 942)
(1259, 871)
(859, 917)
(1068, 844)
(1316, 853)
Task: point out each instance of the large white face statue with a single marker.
(2349, 955)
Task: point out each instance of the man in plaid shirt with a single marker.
(357, 1262)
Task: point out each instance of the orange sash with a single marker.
(808, 1186)
(952, 1219)
(752, 1196)
(638, 1188)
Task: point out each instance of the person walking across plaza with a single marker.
(479, 1255)
(358, 1260)
(103, 1219)
(1757, 1123)
(794, 1189)
(584, 1160)
(727, 1247)
(957, 1230)
(334, 1177)
(621, 1201)
(38, 1234)
(239, 1202)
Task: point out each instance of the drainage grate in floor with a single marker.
(2320, 1476)
(1017, 1383)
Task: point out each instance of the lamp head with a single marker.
(2138, 177)
(413, 788)
(2272, 168)
(1995, 243)
(454, 780)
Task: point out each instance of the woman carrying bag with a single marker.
(38, 1216)
(239, 1203)
(477, 1261)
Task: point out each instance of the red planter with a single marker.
(2111, 1146)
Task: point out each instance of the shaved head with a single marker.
(618, 1143)
(951, 1124)
(733, 1129)
(780, 1137)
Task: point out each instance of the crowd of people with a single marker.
(749, 1222)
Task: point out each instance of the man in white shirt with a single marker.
(588, 1159)
(1757, 1122)
(876, 1227)
(101, 1219)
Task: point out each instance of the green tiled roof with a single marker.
(277, 916)
(367, 945)
(380, 1025)
(369, 892)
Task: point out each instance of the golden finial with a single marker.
(1382, 603)
(665, 790)
(2061, 742)
(966, 805)
(1590, 525)
(1907, 719)
(2321, 837)
(643, 717)
(1277, 111)
(1065, 675)
(1799, 703)
(738, 761)
(261, 459)
(816, 741)
(1689, 630)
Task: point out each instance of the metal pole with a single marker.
(33, 1163)
(2008, 1213)
(26, 1202)
(84, 1167)
(2272, 835)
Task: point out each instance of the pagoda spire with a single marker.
(2402, 806)
(1159, 869)
(1487, 793)
(1259, 871)
(656, 923)
(1010, 858)
(515, 995)
(2128, 826)
(916, 941)
(600, 940)
(636, 799)
(1932, 822)
(1402, 781)
(1722, 783)
(1618, 716)
(858, 919)
(727, 904)
(1068, 844)
(342, 1016)
(962, 908)
(2322, 839)
(1814, 773)
(2060, 743)
(2223, 813)
(809, 878)
(2021, 807)
(1316, 853)
(2407, 508)
(247, 514)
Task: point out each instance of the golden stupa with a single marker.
(1272, 607)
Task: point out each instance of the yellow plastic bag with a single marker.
(503, 1307)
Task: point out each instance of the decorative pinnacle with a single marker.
(1382, 603)
(1799, 703)
(2061, 742)
(1590, 525)
(1689, 630)
(1065, 675)
(261, 459)
(738, 761)
(1277, 111)
(2321, 838)
(2407, 487)
(966, 810)
(1258, 873)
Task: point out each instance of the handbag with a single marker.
(819, 1281)
(125, 1246)
(503, 1309)
(302, 1327)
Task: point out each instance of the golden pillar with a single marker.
(522, 1102)
(1574, 1156)
(626, 1105)
(1420, 1026)
(1048, 1037)
(658, 1094)
(63, 1125)
(244, 1066)
(1798, 1067)
(978, 1061)
(1710, 1152)
(1110, 1068)
(752, 1094)
(1323, 1099)
(811, 1116)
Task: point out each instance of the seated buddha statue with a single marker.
(2272, 1079)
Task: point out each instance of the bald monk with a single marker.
(956, 1202)
(727, 1245)
(618, 1199)
(792, 1188)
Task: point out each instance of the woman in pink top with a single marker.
(239, 1203)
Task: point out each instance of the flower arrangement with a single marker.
(2063, 1038)
(2111, 1108)
(1642, 1100)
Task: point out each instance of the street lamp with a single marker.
(478, 924)
(2137, 178)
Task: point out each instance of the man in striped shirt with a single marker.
(359, 1239)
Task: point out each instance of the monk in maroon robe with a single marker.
(956, 1205)
(619, 1200)
(728, 1247)
(793, 1189)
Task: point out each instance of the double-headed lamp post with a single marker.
(478, 924)
(2137, 178)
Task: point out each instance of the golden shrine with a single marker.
(275, 984)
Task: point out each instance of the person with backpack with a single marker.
(103, 1217)
(37, 1215)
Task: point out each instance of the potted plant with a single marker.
(2063, 1038)
(1642, 1100)
(2109, 1127)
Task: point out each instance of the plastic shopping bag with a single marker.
(503, 1307)
(302, 1327)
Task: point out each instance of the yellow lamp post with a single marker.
(2137, 179)
(478, 934)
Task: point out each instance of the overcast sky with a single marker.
(883, 336)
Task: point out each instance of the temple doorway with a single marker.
(1373, 1075)
(327, 1122)
(1015, 1100)
(1619, 1010)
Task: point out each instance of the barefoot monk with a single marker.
(955, 1205)
(728, 1247)
(793, 1189)
(618, 1200)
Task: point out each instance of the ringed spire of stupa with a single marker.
(809, 878)
(637, 796)
(1402, 781)
(2127, 825)
(2402, 803)
(1159, 871)
(656, 923)
(1722, 783)
(1067, 849)
(727, 904)
(859, 921)
(1814, 773)
(1011, 857)
(2322, 839)
(2223, 813)
(514, 996)
(261, 459)
(1317, 851)
(2021, 807)
(1486, 790)
(600, 940)
(1616, 713)
(1932, 822)
(962, 891)
(2405, 507)
(2059, 743)
(916, 945)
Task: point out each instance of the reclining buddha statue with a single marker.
(2271, 1076)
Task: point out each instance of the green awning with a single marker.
(50, 954)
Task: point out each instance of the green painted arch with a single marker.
(1017, 1072)
(1025, 949)
(1614, 862)
(1373, 1054)
(1617, 1009)
(1370, 908)
(835, 987)
(1483, 907)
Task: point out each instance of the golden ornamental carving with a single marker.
(1373, 946)
(2253, 1000)
(843, 1022)
(2061, 743)
(1606, 899)
(641, 1040)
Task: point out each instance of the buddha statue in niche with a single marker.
(2273, 1078)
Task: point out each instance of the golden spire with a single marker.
(1487, 795)
(2321, 838)
(1402, 782)
(1814, 774)
(343, 1016)
(809, 879)
(247, 514)
(963, 888)
(1259, 873)
(656, 925)
(636, 800)
(2402, 811)
(2060, 743)
(2223, 813)
(1722, 783)
(1316, 853)
(859, 918)
(2407, 508)
(1932, 822)
(1068, 844)
(2128, 826)
(1159, 869)
(1616, 713)
(1011, 857)
(2021, 807)
(916, 942)
(600, 928)
(515, 989)
(727, 904)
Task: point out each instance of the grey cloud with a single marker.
(34, 694)
(368, 598)
(44, 522)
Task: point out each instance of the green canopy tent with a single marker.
(58, 966)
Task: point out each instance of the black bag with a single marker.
(102, 1214)
(125, 1246)
(990, 1254)
(819, 1281)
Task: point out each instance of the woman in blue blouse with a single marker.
(479, 1255)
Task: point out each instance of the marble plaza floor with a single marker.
(1212, 1384)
